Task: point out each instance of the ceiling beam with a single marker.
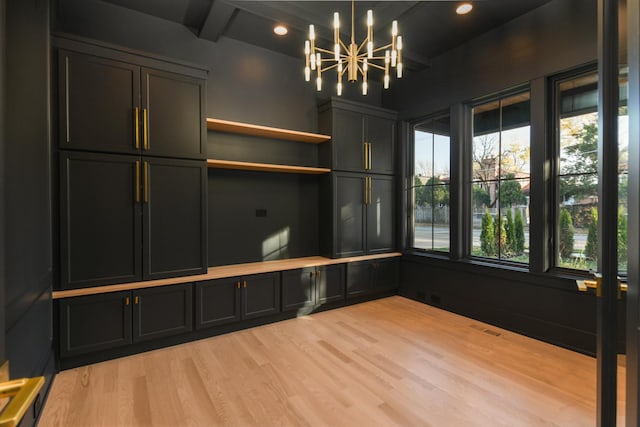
(218, 19)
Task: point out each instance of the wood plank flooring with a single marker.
(390, 362)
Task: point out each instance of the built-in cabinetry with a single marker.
(114, 104)
(98, 322)
(132, 139)
(371, 277)
(363, 137)
(363, 220)
(307, 288)
(126, 218)
(359, 195)
(233, 299)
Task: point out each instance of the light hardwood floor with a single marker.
(390, 362)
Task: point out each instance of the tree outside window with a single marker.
(431, 226)
(501, 179)
(577, 180)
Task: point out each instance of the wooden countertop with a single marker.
(223, 272)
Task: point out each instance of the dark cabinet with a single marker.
(363, 137)
(370, 277)
(162, 311)
(362, 215)
(114, 106)
(127, 218)
(305, 289)
(228, 300)
(174, 217)
(104, 321)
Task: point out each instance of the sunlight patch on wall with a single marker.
(276, 246)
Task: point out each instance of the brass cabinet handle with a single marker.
(136, 300)
(238, 285)
(136, 120)
(245, 284)
(146, 182)
(126, 301)
(367, 190)
(24, 391)
(369, 153)
(145, 128)
(137, 189)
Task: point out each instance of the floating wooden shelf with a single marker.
(264, 167)
(266, 132)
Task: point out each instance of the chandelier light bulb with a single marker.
(307, 74)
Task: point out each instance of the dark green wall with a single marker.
(554, 38)
(2, 168)
(27, 222)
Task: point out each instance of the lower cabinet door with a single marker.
(261, 295)
(217, 302)
(298, 289)
(359, 279)
(385, 275)
(162, 311)
(94, 322)
(330, 284)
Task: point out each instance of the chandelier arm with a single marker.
(319, 49)
(378, 49)
(344, 46)
(371, 64)
(330, 67)
(364, 42)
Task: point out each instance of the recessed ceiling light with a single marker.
(280, 30)
(464, 8)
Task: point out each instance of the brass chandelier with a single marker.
(354, 60)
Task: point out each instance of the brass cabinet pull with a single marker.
(145, 128)
(367, 155)
(137, 189)
(136, 300)
(238, 285)
(126, 301)
(245, 284)
(370, 155)
(146, 182)
(136, 120)
(365, 147)
(24, 391)
(367, 190)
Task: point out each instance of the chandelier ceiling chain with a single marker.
(353, 60)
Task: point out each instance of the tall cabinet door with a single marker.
(380, 134)
(349, 214)
(380, 215)
(97, 104)
(348, 139)
(174, 196)
(173, 115)
(100, 222)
